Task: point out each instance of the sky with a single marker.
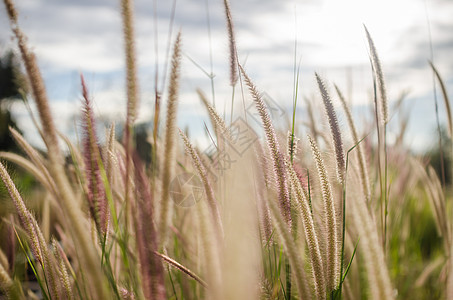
(324, 36)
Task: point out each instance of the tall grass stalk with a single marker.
(218, 123)
(316, 261)
(334, 128)
(233, 54)
(96, 194)
(169, 143)
(127, 13)
(382, 120)
(28, 221)
(332, 264)
(274, 148)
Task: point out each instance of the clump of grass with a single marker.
(382, 118)
(89, 257)
(316, 261)
(170, 133)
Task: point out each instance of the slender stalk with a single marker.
(132, 94)
(89, 258)
(169, 144)
(332, 263)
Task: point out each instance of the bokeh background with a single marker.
(326, 36)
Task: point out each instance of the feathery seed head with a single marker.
(96, 196)
(334, 128)
(170, 129)
(131, 66)
(377, 69)
(232, 45)
(12, 12)
(314, 251)
(333, 255)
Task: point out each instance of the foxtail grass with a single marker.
(316, 261)
(332, 263)
(231, 44)
(276, 154)
(169, 143)
(334, 128)
(62, 271)
(218, 123)
(38, 243)
(127, 13)
(96, 194)
(377, 68)
(382, 118)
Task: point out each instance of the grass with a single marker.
(291, 217)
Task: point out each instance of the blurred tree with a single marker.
(12, 87)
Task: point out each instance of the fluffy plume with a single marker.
(63, 276)
(219, 124)
(334, 128)
(232, 44)
(96, 196)
(333, 254)
(170, 131)
(377, 69)
(132, 95)
(39, 94)
(182, 268)
(37, 241)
